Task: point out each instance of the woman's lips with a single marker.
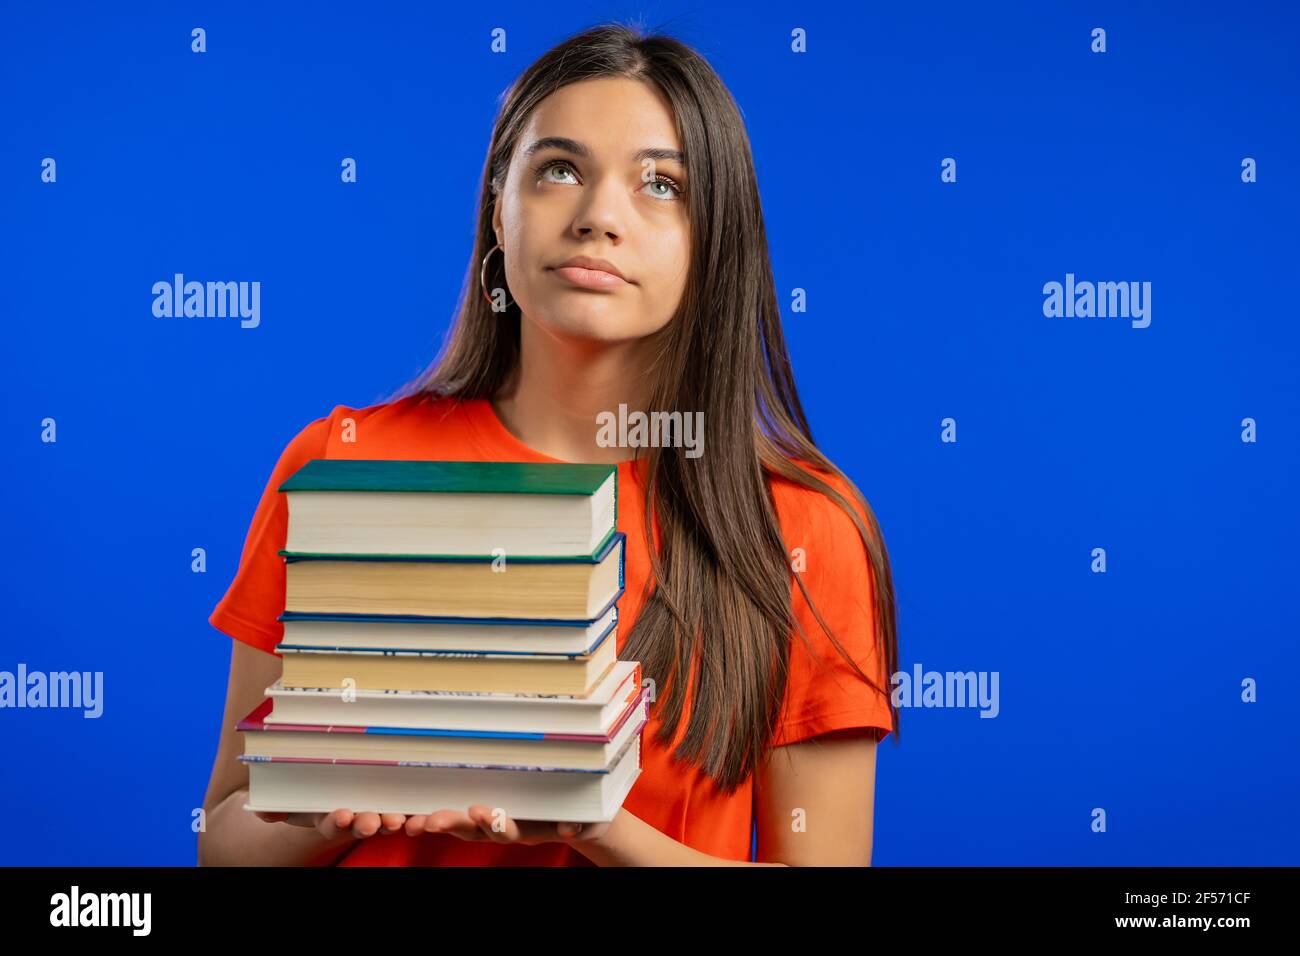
(589, 278)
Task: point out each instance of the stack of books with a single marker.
(450, 639)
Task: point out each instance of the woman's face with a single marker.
(608, 190)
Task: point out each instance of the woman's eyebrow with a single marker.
(580, 149)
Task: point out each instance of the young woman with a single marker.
(621, 259)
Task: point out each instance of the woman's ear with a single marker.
(496, 220)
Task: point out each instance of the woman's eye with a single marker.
(544, 172)
(670, 191)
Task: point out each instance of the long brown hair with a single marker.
(719, 592)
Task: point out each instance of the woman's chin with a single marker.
(597, 326)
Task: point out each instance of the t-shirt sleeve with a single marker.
(255, 599)
(836, 570)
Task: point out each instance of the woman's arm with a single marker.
(813, 802)
(234, 836)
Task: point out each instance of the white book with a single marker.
(437, 746)
(521, 713)
(376, 633)
(401, 507)
(578, 796)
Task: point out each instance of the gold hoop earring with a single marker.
(482, 275)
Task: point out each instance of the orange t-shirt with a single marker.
(675, 798)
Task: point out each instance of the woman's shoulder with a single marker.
(413, 425)
(807, 512)
(394, 412)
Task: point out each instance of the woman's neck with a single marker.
(563, 384)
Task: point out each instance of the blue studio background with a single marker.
(1119, 690)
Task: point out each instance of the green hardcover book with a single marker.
(398, 508)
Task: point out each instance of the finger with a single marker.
(392, 822)
(332, 825)
(455, 823)
(542, 831)
(587, 832)
(498, 828)
(415, 824)
(528, 832)
(271, 817)
(365, 825)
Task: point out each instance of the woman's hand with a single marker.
(477, 825)
(333, 825)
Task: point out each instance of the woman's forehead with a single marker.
(610, 114)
